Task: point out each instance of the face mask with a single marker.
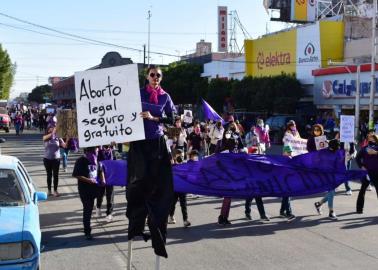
(227, 135)
(293, 129)
(372, 144)
(179, 159)
(197, 130)
(195, 158)
(92, 157)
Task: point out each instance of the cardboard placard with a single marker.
(188, 116)
(66, 124)
(108, 106)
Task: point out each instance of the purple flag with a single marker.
(210, 113)
(245, 176)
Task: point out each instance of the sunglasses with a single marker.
(152, 75)
(316, 129)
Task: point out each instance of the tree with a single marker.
(7, 72)
(39, 93)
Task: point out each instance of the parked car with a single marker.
(277, 126)
(20, 234)
(4, 120)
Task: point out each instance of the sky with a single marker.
(176, 27)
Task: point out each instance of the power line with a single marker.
(81, 37)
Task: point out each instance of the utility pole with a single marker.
(373, 84)
(149, 34)
(357, 106)
(144, 55)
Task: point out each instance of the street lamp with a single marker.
(357, 104)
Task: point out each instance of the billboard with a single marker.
(298, 51)
(222, 29)
(303, 10)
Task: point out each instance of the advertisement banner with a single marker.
(311, 10)
(299, 10)
(222, 29)
(108, 106)
(308, 52)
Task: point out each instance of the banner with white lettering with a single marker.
(108, 106)
(297, 145)
(347, 128)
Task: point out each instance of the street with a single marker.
(308, 242)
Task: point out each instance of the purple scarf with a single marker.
(154, 93)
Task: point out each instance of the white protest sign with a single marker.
(321, 142)
(346, 128)
(298, 145)
(108, 106)
(188, 116)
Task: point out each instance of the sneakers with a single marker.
(98, 212)
(171, 220)
(369, 188)
(88, 236)
(109, 218)
(318, 208)
(265, 218)
(65, 169)
(332, 215)
(187, 223)
(248, 216)
(49, 193)
(56, 194)
(282, 215)
(290, 217)
(359, 211)
(348, 193)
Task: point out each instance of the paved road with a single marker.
(309, 242)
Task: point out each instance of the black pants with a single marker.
(183, 205)
(52, 169)
(259, 203)
(285, 206)
(88, 194)
(364, 184)
(108, 190)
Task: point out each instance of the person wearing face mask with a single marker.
(180, 142)
(317, 130)
(216, 135)
(252, 141)
(196, 139)
(179, 159)
(86, 170)
(51, 157)
(367, 159)
(263, 134)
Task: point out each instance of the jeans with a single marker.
(88, 194)
(64, 155)
(52, 169)
(183, 205)
(364, 184)
(328, 198)
(109, 191)
(259, 203)
(285, 206)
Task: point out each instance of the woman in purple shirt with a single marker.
(150, 183)
(51, 158)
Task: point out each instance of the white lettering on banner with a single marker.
(347, 128)
(108, 105)
(222, 29)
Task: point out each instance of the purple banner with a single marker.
(244, 176)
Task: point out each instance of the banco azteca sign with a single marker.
(309, 55)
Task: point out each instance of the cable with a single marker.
(81, 37)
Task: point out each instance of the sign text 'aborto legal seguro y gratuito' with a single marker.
(108, 106)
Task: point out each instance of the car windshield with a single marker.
(10, 191)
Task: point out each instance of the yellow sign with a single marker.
(332, 41)
(271, 55)
(300, 10)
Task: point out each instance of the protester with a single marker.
(216, 135)
(51, 158)
(292, 135)
(18, 123)
(179, 159)
(263, 134)
(252, 141)
(105, 153)
(86, 170)
(365, 143)
(231, 143)
(150, 184)
(64, 153)
(285, 210)
(180, 142)
(350, 154)
(317, 131)
(367, 159)
(196, 140)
